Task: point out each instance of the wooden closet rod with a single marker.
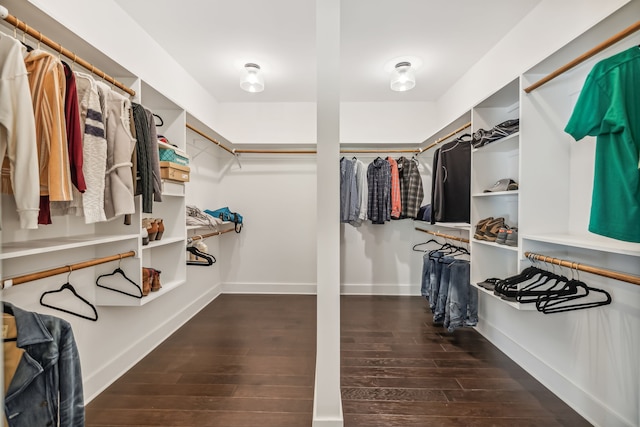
(7, 283)
(599, 48)
(41, 38)
(204, 236)
(218, 143)
(446, 236)
(582, 267)
(444, 138)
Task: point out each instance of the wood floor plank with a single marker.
(249, 360)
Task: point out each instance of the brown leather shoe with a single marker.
(493, 228)
(481, 227)
(146, 281)
(155, 280)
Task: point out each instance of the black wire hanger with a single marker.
(68, 286)
(119, 272)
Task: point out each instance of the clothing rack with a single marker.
(444, 138)
(587, 268)
(237, 151)
(204, 236)
(7, 283)
(41, 38)
(599, 48)
(446, 236)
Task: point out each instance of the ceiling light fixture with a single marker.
(252, 79)
(403, 77)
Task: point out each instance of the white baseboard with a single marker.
(380, 289)
(311, 288)
(592, 409)
(98, 381)
(270, 288)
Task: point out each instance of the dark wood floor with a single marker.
(249, 360)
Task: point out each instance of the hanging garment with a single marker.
(74, 147)
(436, 190)
(119, 189)
(46, 387)
(411, 191)
(348, 191)
(396, 203)
(609, 108)
(155, 156)
(144, 178)
(74, 133)
(47, 83)
(94, 148)
(379, 186)
(18, 133)
(363, 193)
(452, 178)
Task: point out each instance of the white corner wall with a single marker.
(549, 26)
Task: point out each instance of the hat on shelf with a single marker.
(505, 184)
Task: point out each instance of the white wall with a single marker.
(295, 122)
(276, 250)
(548, 27)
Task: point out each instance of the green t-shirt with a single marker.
(609, 108)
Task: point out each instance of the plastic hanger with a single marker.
(119, 272)
(424, 243)
(555, 303)
(67, 286)
(208, 258)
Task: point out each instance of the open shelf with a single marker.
(42, 246)
(496, 245)
(162, 242)
(497, 194)
(593, 242)
(109, 298)
(515, 305)
(464, 226)
(508, 143)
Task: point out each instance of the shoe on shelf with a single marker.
(502, 235)
(480, 227)
(492, 229)
(489, 284)
(160, 228)
(155, 280)
(146, 281)
(152, 228)
(512, 237)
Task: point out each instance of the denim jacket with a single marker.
(47, 385)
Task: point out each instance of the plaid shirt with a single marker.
(411, 190)
(379, 183)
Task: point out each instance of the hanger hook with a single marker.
(24, 32)
(39, 40)
(69, 273)
(120, 260)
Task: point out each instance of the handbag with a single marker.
(225, 214)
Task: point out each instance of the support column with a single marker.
(327, 404)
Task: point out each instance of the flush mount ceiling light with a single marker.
(403, 77)
(252, 79)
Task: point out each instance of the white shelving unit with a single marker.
(490, 163)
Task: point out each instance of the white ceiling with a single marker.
(213, 39)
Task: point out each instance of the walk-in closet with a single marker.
(320, 213)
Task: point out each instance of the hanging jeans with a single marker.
(443, 291)
(462, 300)
(425, 285)
(434, 279)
